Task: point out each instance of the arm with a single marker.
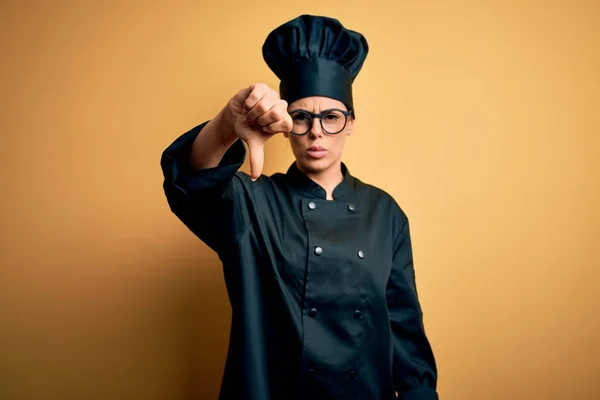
(200, 167)
(254, 115)
(210, 201)
(211, 144)
(414, 367)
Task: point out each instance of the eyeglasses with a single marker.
(333, 121)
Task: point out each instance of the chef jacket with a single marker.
(322, 292)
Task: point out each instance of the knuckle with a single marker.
(281, 106)
(277, 114)
(262, 121)
(261, 87)
(254, 96)
(288, 123)
(262, 107)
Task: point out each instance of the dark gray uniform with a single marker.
(323, 296)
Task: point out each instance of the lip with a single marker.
(316, 152)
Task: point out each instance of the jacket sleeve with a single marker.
(211, 202)
(414, 366)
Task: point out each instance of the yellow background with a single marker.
(480, 118)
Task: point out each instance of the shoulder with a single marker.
(377, 196)
(383, 204)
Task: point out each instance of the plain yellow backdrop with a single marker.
(481, 118)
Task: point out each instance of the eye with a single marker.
(331, 117)
(300, 117)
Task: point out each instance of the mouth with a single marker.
(316, 148)
(316, 152)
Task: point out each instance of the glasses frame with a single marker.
(320, 118)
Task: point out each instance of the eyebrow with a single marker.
(320, 112)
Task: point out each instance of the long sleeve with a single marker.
(210, 202)
(414, 366)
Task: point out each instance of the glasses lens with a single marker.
(334, 121)
(301, 122)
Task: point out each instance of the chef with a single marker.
(318, 264)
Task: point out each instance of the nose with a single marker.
(315, 130)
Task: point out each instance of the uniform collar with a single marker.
(300, 181)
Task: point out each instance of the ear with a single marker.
(350, 126)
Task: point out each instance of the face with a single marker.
(317, 151)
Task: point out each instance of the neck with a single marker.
(328, 179)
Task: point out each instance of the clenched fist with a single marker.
(258, 113)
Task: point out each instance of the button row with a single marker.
(313, 313)
(312, 205)
(319, 251)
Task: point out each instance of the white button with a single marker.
(318, 250)
(312, 205)
(351, 207)
(361, 254)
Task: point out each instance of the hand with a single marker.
(257, 114)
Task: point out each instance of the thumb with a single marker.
(257, 157)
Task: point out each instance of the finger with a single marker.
(276, 113)
(241, 96)
(254, 94)
(257, 158)
(265, 104)
(280, 126)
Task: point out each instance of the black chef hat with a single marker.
(315, 56)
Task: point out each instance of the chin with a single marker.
(315, 166)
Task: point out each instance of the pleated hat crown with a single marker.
(315, 56)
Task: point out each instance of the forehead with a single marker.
(316, 103)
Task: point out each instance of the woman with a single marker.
(318, 264)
